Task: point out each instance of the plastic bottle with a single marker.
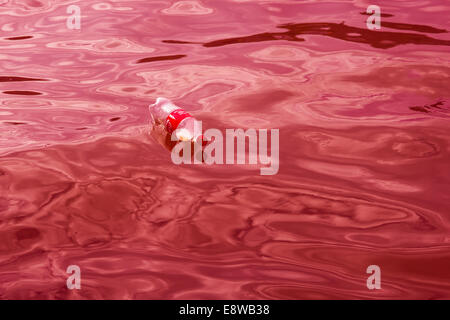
(168, 118)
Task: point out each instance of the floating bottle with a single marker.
(171, 124)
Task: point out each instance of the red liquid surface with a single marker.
(364, 179)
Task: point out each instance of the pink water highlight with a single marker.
(364, 119)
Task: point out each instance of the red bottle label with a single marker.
(174, 119)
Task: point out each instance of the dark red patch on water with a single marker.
(161, 58)
(20, 38)
(22, 92)
(18, 79)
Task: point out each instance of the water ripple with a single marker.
(364, 150)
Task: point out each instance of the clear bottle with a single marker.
(168, 118)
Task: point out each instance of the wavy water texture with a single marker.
(364, 150)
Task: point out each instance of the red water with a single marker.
(364, 150)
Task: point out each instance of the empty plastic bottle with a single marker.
(168, 118)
